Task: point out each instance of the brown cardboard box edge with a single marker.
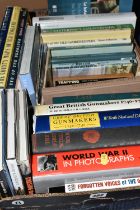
(31, 5)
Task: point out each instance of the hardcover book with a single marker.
(106, 119)
(56, 169)
(6, 185)
(85, 139)
(67, 7)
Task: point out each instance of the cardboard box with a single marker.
(39, 7)
(119, 200)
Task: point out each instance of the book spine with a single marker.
(87, 28)
(86, 42)
(93, 58)
(84, 186)
(27, 83)
(94, 71)
(9, 47)
(28, 183)
(87, 106)
(4, 28)
(15, 176)
(67, 81)
(5, 190)
(74, 37)
(102, 119)
(85, 139)
(98, 97)
(98, 164)
(16, 60)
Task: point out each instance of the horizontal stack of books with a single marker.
(88, 49)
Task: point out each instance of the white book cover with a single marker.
(87, 107)
(69, 21)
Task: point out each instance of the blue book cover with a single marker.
(76, 7)
(6, 185)
(106, 119)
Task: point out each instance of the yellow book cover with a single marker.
(87, 35)
(9, 47)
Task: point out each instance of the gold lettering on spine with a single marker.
(9, 47)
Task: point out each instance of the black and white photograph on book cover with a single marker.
(47, 163)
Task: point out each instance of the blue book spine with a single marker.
(125, 5)
(76, 7)
(107, 119)
(4, 28)
(16, 60)
(69, 7)
(27, 84)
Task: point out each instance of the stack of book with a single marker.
(88, 48)
(91, 143)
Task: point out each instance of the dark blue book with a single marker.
(76, 7)
(4, 28)
(105, 119)
(16, 60)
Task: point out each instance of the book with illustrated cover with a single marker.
(67, 7)
(55, 169)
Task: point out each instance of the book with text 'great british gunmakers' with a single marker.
(56, 169)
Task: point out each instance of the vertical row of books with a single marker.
(20, 52)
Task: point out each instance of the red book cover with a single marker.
(92, 160)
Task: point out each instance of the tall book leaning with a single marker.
(9, 47)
